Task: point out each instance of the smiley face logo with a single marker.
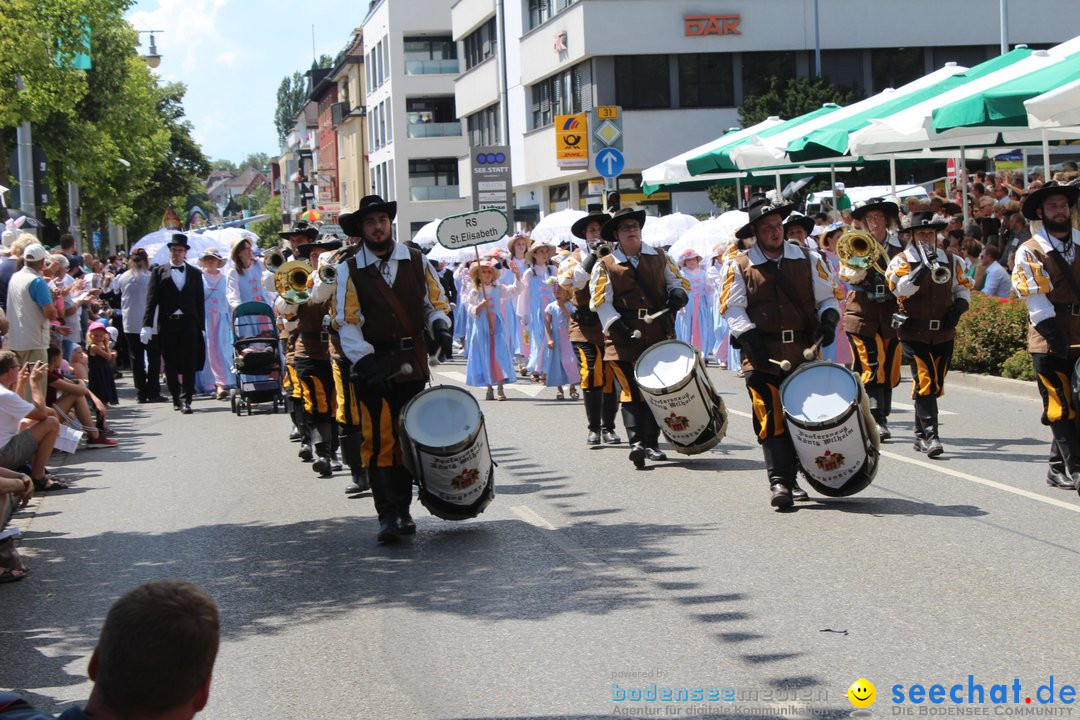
(862, 693)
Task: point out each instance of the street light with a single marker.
(152, 58)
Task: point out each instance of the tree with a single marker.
(790, 98)
(291, 98)
(259, 160)
(268, 229)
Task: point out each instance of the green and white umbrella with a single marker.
(1057, 108)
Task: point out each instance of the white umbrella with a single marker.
(425, 237)
(554, 229)
(705, 236)
(1058, 108)
(197, 244)
(666, 230)
(439, 253)
(153, 242)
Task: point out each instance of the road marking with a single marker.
(531, 389)
(911, 408)
(564, 543)
(965, 476)
(531, 516)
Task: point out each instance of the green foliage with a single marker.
(724, 197)
(1019, 366)
(259, 160)
(791, 98)
(268, 229)
(291, 98)
(254, 202)
(990, 333)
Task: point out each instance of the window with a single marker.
(484, 127)
(567, 93)
(759, 67)
(480, 44)
(893, 67)
(433, 179)
(642, 81)
(432, 117)
(540, 11)
(428, 55)
(844, 69)
(706, 80)
(558, 197)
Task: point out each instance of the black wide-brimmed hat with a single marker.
(301, 228)
(1035, 199)
(578, 228)
(352, 222)
(924, 220)
(804, 221)
(178, 240)
(759, 207)
(325, 242)
(608, 231)
(888, 207)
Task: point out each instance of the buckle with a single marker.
(642, 313)
(1074, 310)
(787, 336)
(935, 325)
(407, 343)
(879, 289)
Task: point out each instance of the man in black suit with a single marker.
(175, 297)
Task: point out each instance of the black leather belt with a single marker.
(1067, 309)
(787, 336)
(921, 324)
(313, 336)
(405, 343)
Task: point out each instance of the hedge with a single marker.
(991, 333)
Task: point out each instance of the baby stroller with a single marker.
(256, 361)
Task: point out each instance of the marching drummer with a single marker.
(932, 292)
(766, 297)
(1047, 277)
(636, 291)
(386, 295)
(587, 335)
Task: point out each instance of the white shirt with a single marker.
(1030, 280)
(602, 294)
(178, 278)
(133, 286)
(998, 283)
(74, 320)
(12, 410)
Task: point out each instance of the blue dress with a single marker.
(560, 365)
(488, 361)
(219, 352)
(536, 296)
(461, 314)
(511, 321)
(694, 324)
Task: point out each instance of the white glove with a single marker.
(145, 335)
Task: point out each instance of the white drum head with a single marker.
(818, 393)
(665, 364)
(442, 417)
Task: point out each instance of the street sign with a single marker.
(607, 112)
(607, 127)
(595, 187)
(492, 188)
(610, 162)
(572, 141)
(95, 240)
(472, 228)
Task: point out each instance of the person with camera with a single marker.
(778, 300)
(634, 281)
(932, 292)
(1047, 276)
(387, 294)
(587, 335)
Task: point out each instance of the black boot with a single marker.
(593, 398)
(876, 396)
(403, 484)
(1062, 459)
(350, 444)
(885, 408)
(383, 493)
(926, 427)
(630, 415)
(609, 407)
(780, 466)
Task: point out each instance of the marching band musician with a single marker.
(386, 294)
(932, 292)
(1047, 276)
(875, 347)
(311, 360)
(766, 294)
(587, 335)
(295, 236)
(634, 281)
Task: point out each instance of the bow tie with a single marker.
(178, 269)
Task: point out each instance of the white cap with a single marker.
(34, 252)
(838, 186)
(8, 238)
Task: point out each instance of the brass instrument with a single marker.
(328, 271)
(939, 273)
(328, 274)
(292, 282)
(858, 250)
(274, 259)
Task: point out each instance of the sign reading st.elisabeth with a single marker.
(472, 228)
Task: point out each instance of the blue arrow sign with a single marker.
(610, 162)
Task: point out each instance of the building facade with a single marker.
(680, 68)
(415, 139)
(348, 118)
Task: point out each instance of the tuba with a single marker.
(292, 281)
(858, 252)
(274, 259)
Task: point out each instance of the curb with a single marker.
(987, 383)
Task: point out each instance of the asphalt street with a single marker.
(583, 579)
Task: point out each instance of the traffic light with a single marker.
(613, 202)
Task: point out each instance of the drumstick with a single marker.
(405, 369)
(656, 315)
(811, 352)
(785, 365)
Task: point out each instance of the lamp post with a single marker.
(152, 58)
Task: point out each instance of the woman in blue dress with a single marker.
(694, 324)
(216, 375)
(560, 366)
(535, 297)
(488, 362)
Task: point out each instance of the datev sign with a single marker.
(472, 228)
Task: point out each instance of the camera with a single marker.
(899, 320)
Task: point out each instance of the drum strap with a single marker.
(392, 300)
(1067, 271)
(644, 289)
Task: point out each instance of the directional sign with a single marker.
(472, 228)
(610, 162)
(491, 182)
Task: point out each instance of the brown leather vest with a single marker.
(590, 332)
(310, 336)
(866, 317)
(929, 304)
(383, 328)
(1064, 300)
(630, 301)
(775, 315)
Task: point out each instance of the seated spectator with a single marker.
(998, 283)
(16, 489)
(72, 397)
(80, 366)
(972, 251)
(154, 658)
(27, 430)
(102, 356)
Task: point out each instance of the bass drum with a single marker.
(673, 382)
(827, 414)
(445, 446)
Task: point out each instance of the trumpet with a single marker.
(939, 273)
(858, 250)
(292, 281)
(274, 260)
(328, 274)
(328, 271)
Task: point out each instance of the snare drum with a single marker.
(445, 446)
(828, 417)
(672, 379)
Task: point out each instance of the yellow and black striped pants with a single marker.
(595, 372)
(623, 372)
(380, 414)
(768, 411)
(315, 380)
(291, 384)
(929, 365)
(875, 360)
(346, 406)
(1055, 387)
